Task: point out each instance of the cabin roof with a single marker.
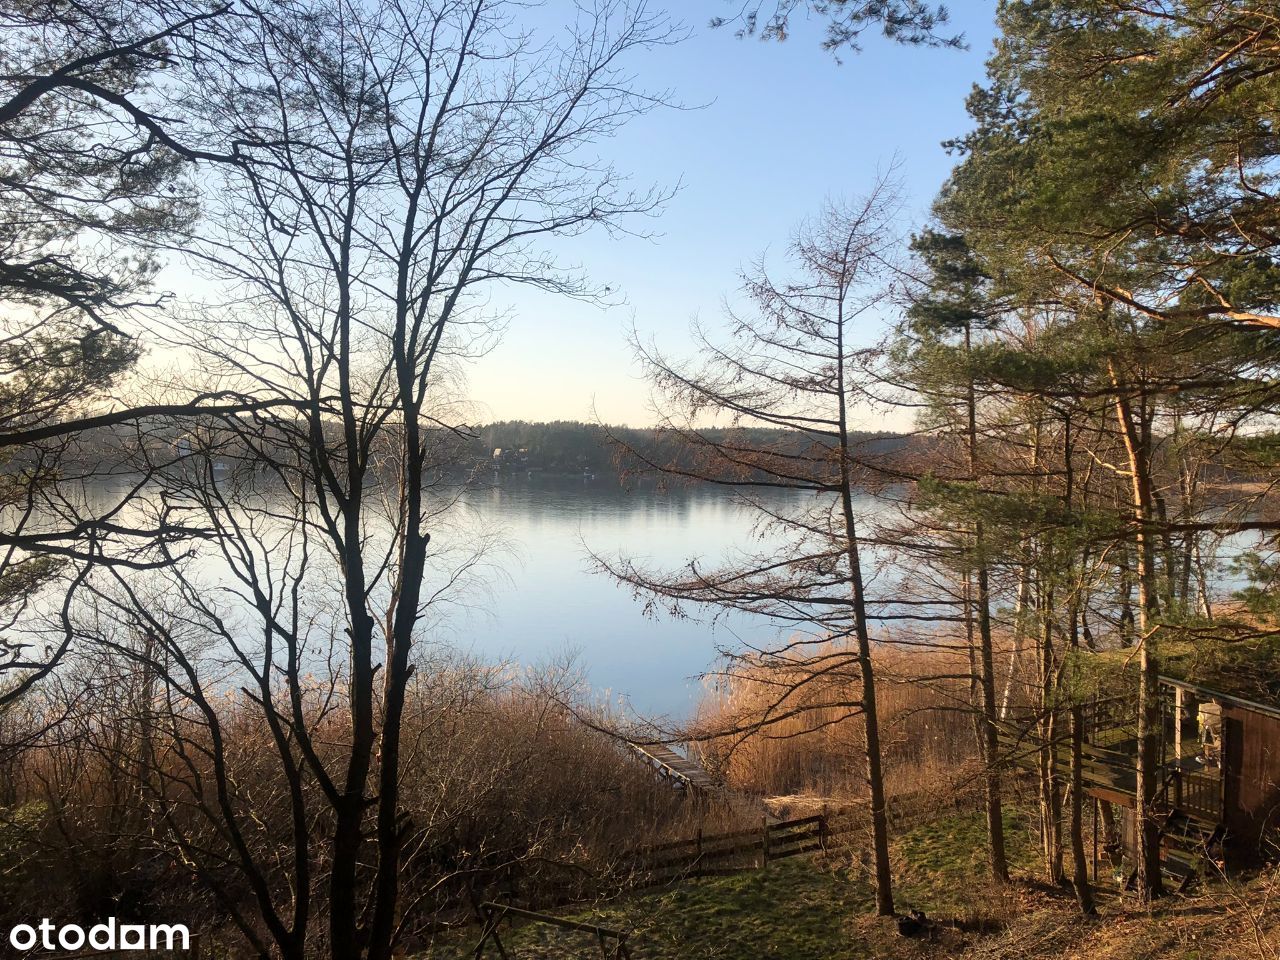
(1204, 693)
(1245, 671)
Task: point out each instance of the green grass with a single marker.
(798, 909)
(795, 909)
(942, 864)
(804, 909)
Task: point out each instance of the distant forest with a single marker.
(511, 446)
(571, 446)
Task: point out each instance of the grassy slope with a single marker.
(804, 909)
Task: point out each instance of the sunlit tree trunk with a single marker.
(1050, 783)
(1135, 429)
(989, 742)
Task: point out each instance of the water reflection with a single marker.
(537, 600)
(552, 603)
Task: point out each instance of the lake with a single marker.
(553, 602)
(537, 599)
(548, 601)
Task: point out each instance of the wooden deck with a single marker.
(1110, 773)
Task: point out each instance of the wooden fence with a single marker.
(613, 943)
(719, 854)
(714, 854)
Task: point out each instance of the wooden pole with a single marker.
(1096, 801)
(492, 919)
(1177, 725)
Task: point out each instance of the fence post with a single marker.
(822, 829)
(1096, 801)
(764, 841)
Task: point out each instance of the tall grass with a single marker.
(506, 793)
(817, 752)
(112, 812)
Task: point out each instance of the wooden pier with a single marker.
(677, 767)
(687, 774)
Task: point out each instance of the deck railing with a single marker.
(1199, 794)
(1112, 772)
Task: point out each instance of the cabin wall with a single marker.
(1251, 781)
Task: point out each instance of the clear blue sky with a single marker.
(785, 127)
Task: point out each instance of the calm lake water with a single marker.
(537, 600)
(553, 602)
(548, 601)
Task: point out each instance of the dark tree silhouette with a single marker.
(396, 160)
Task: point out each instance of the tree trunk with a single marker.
(871, 718)
(1079, 863)
(1203, 603)
(1020, 607)
(349, 812)
(971, 648)
(1126, 623)
(1137, 441)
(990, 744)
(1050, 785)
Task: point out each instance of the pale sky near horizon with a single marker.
(784, 127)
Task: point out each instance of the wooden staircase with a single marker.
(1187, 845)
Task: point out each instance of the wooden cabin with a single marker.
(1218, 773)
(1221, 757)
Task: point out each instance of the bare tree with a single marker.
(792, 362)
(397, 160)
